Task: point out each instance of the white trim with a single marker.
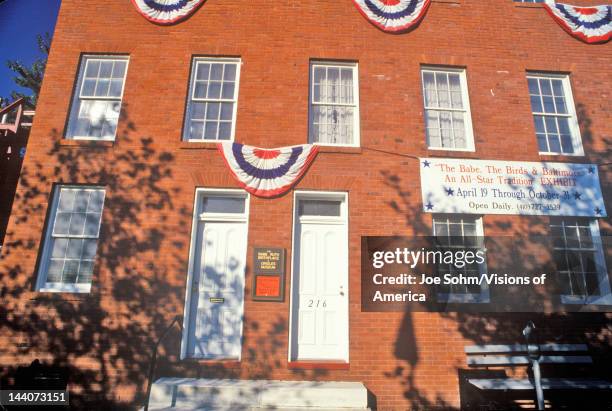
(484, 296)
(191, 97)
(197, 219)
(342, 219)
(41, 283)
(571, 113)
(356, 118)
(605, 298)
(465, 99)
(78, 97)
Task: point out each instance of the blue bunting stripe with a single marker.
(267, 173)
(591, 24)
(166, 11)
(394, 16)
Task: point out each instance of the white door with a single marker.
(217, 287)
(320, 281)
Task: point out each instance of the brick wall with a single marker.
(406, 360)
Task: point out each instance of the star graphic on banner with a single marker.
(591, 170)
(598, 210)
(429, 206)
(450, 191)
(577, 196)
(426, 163)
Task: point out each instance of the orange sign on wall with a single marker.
(269, 274)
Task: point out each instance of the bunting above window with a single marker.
(393, 16)
(591, 24)
(264, 172)
(167, 11)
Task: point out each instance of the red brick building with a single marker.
(123, 148)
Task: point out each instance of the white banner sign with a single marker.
(510, 187)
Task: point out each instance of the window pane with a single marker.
(106, 69)
(203, 71)
(230, 72)
(196, 130)
(92, 224)
(75, 246)
(536, 104)
(62, 223)
(558, 88)
(545, 87)
(55, 270)
(198, 111)
(325, 208)
(89, 249)
(67, 198)
(58, 249)
(228, 90)
(96, 201)
(210, 130)
(227, 111)
(119, 70)
(200, 89)
(102, 88)
(225, 131)
(77, 224)
(88, 88)
(219, 204)
(214, 90)
(216, 72)
(212, 111)
(115, 88)
(93, 67)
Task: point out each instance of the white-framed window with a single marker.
(71, 239)
(579, 257)
(334, 104)
(554, 114)
(448, 121)
(96, 103)
(213, 99)
(456, 233)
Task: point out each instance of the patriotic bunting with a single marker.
(393, 16)
(592, 24)
(166, 11)
(267, 173)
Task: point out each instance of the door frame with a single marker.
(344, 219)
(197, 219)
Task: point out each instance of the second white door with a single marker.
(320, 280)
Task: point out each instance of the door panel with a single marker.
(320, 298)
(218, 290)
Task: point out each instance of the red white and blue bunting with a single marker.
(267, 173)
(167, 11)
(394, 16)
(591, 24)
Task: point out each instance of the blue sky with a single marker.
(20, 22)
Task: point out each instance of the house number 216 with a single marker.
(317, 303)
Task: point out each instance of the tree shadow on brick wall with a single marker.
(102, 338)
(592, 328)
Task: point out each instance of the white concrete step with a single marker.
(178, 394)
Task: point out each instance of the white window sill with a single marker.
(335, 145)
(463, 298)
(469, 150)
(83, 138)
(590, 300)
(65, 288)
(544, 153)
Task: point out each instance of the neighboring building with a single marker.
(123, 189)
(15, 124)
